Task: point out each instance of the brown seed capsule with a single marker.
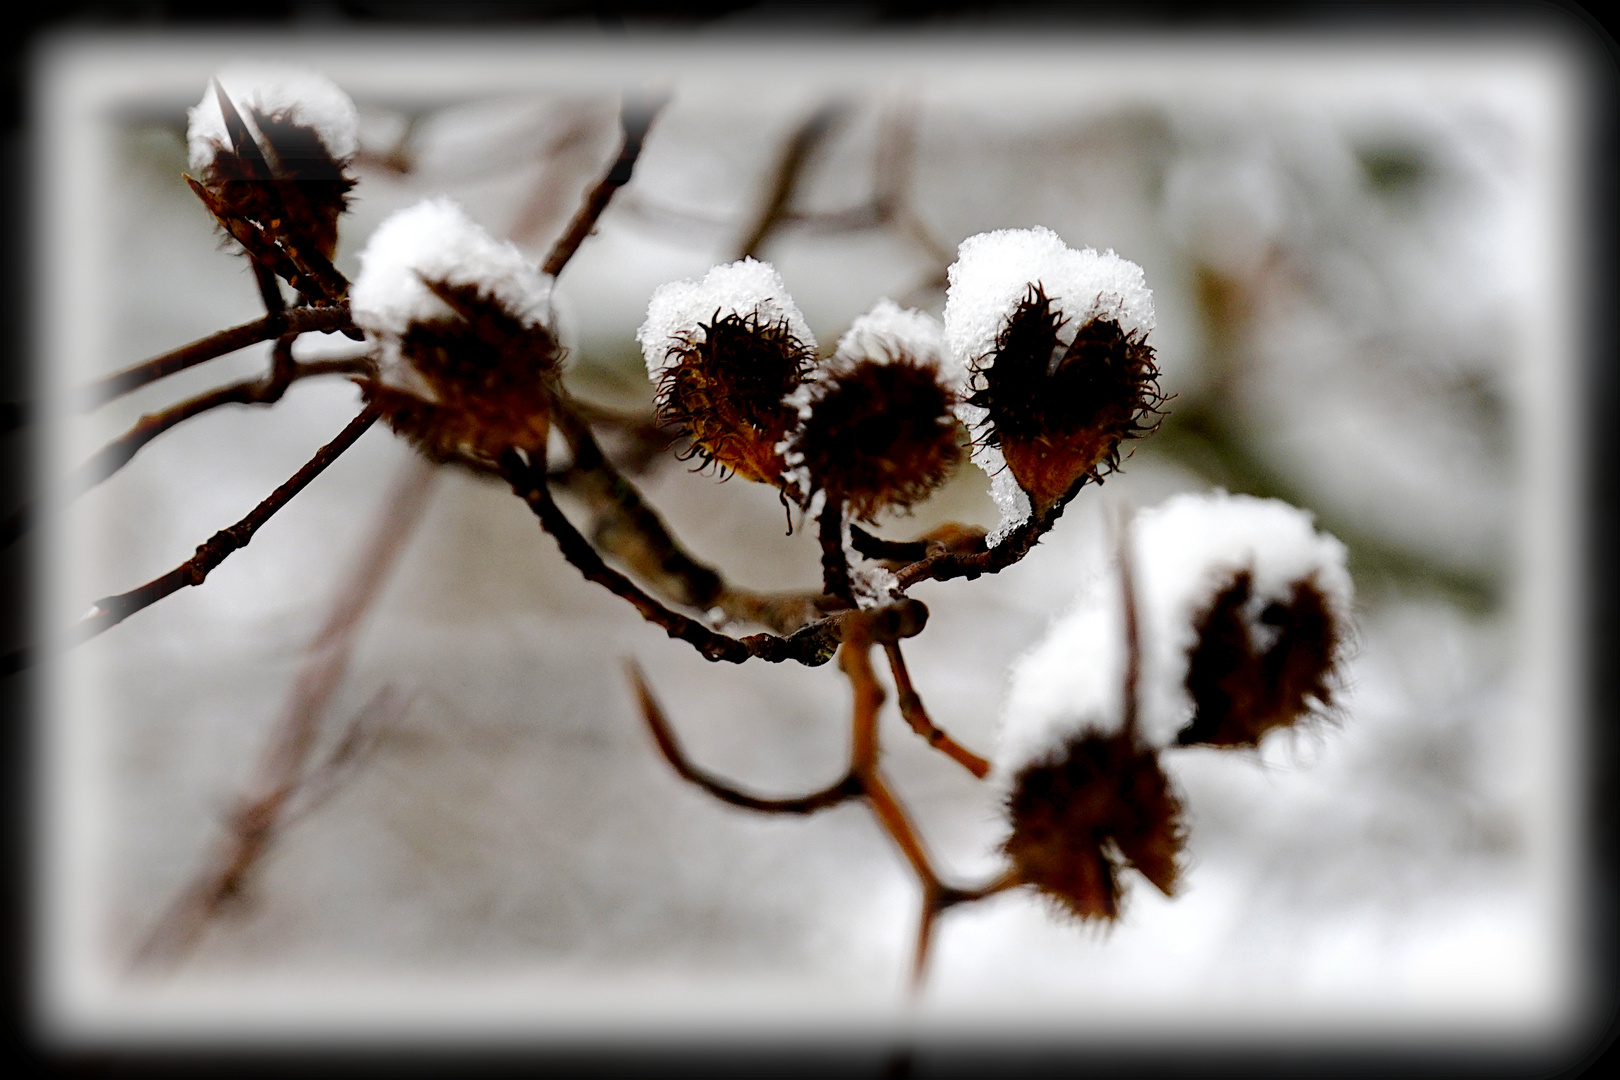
(271, 148)
(469, 363)
(1099, 805)
(1057, 410)
(1049, 346)
(877, 428)
(1250, 673)
(724, 353)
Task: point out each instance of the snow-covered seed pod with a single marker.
(468, 357)
(1081, 814)
(1050, 346)
(875, 428)
(286, 167)
(1255, 606)
(1243, 625)
(724, 353)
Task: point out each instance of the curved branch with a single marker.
(845, 789)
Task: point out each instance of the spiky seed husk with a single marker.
(724, 391)
(880, 435)
(1079, 818)
(318, 185)
(1059, 413)
(1244, 686)
(491, 378)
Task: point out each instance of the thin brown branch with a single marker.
(1131, 690)
(812, 645)
(956, 563)
(112, 610)
(834, 563)
(626, 528)
(635, 117)
(360, 737)
(916, 716)
(297, 321)
(263, 805)
(261, 391)
(842, 791)
(787, 176)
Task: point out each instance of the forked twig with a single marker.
(281, 771)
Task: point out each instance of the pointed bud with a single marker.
(724, 353)
(876, 428)
(468, 359)
(1050, 344)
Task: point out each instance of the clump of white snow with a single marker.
(436, 241)
(1183, 553)
(991, 277)
(306, 97)
(745, 288)
(888, 332)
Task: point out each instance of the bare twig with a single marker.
(834, 563)
(386, 708)
(112, 610)
(262, 391)
(911, 708)
(788, 175)
(635, 117)
(296, 321)
(1133, 641)
(812, 645)
(842, 791)
(262, 807)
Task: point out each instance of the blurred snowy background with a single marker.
(1357, 255)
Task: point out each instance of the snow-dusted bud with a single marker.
(271, 145)
(1085, 811)
(1050, 344)
(875, 423)
(724, 353)
(1253, 607)
(468, 358)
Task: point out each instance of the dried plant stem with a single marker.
(635, 117)
(112, 610)
(282, 772)
(296, 321)
(916, 716)
(1131, 691)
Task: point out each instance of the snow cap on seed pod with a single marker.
(1049, 345)
(874, 425)
(468, 354)
(724, 353)
(286, 165)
